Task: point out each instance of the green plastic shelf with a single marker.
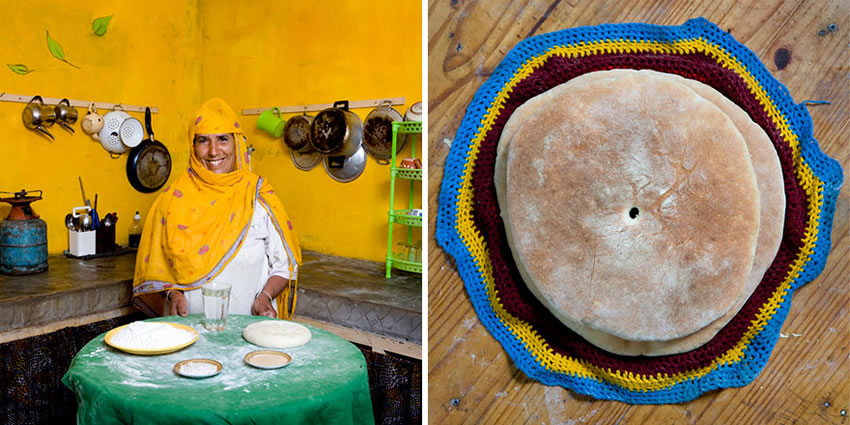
(406, 265)
(407, 127)
(395, 260)
(408, 173)
(402, 217)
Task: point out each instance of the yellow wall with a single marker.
(149, 56)
(176, 54)
(262, 54)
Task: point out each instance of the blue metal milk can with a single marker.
(23, 236)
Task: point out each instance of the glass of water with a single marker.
(216, 303)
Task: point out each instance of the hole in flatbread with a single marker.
(634, 212)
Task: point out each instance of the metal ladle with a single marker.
(69, 221)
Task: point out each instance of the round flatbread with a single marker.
(772, 217)
(630, 205)
(277, 334)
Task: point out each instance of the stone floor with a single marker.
(343, 291)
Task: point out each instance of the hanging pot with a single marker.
(92, 122)
(65, 114)
(378, 132)
(345, 169)
(296, 133)
(38, 116)
(336, 131)
(413, 113)
(110, 134)
(149, 164)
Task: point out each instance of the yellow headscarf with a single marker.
(196, 225)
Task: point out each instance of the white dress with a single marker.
(261, 256)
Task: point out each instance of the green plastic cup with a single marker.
(270, 123)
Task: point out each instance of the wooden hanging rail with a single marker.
(371, 103)
(6, 97)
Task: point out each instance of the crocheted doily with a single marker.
(469, 226)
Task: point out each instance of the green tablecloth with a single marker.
(326, 383)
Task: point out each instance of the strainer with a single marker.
(110, 134)
(131, 132)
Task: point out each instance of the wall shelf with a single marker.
(21, 98)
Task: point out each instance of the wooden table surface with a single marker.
(806, 380)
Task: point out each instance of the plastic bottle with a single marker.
(136, 231)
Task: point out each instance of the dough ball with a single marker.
(277, 334)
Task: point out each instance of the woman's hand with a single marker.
(263, 306)
(179, 303)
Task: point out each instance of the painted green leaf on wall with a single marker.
(56, 50)
(99, 25)
(19, 68)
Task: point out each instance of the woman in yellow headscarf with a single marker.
(218, 222)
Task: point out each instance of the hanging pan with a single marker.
(378, 132)
(149, 164)
(336, 131)
(296, 135)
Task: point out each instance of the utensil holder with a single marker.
(105, 239)
(81, 243)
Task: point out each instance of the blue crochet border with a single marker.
(757, 354)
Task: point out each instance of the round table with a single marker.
(326, 382)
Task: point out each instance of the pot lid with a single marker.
(305, 161)
(350, 168)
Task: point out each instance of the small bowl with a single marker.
(268, 359)
(178, 368)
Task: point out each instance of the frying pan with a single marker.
(149, 164)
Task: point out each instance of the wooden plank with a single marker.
(25, 98)
(354, 104)
(379, 343)
(806, 380)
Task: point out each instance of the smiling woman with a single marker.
(216, 151)
(219, 222)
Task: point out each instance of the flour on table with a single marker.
(198, 369)
(151, 336)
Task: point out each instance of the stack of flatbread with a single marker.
(642, 208)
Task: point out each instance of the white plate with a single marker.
(268, 359)
(151, 351)
(179, 366)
